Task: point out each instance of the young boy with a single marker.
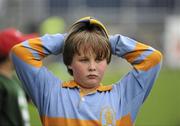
(83, 101)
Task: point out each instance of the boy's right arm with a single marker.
(27, 58)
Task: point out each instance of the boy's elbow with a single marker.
(158, 56)
(16, 49)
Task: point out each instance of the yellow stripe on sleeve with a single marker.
(25, 54)
(150, 61)
(36, 44)
(139, 49)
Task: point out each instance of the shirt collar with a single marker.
(73, 84)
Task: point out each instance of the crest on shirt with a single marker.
(107, 117)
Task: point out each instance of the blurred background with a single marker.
(154, 22)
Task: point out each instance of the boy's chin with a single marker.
(90, 84)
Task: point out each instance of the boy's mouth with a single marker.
(92, 76)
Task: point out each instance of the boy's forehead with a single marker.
(86, 52)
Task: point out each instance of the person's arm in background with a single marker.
(136, 85)
(27, 58)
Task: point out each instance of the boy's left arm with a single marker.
(146, 62)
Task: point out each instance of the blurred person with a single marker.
(84, 101)
(13, 104)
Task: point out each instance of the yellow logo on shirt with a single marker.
(107, 116)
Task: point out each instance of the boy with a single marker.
(87, 51)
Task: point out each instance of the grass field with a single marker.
(162, 108)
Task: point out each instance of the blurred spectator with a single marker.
(13, 103)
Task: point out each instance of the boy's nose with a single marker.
(92, 66)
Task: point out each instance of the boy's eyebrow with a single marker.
(83, 57)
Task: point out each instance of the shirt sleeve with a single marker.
(135, 86)
(27, 58)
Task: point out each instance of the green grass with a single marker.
(34, 116)
(162, 107)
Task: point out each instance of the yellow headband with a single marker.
(92, 20)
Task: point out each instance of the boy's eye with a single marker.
(98, 59)
(83, 60)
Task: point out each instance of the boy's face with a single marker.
(87, 70)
